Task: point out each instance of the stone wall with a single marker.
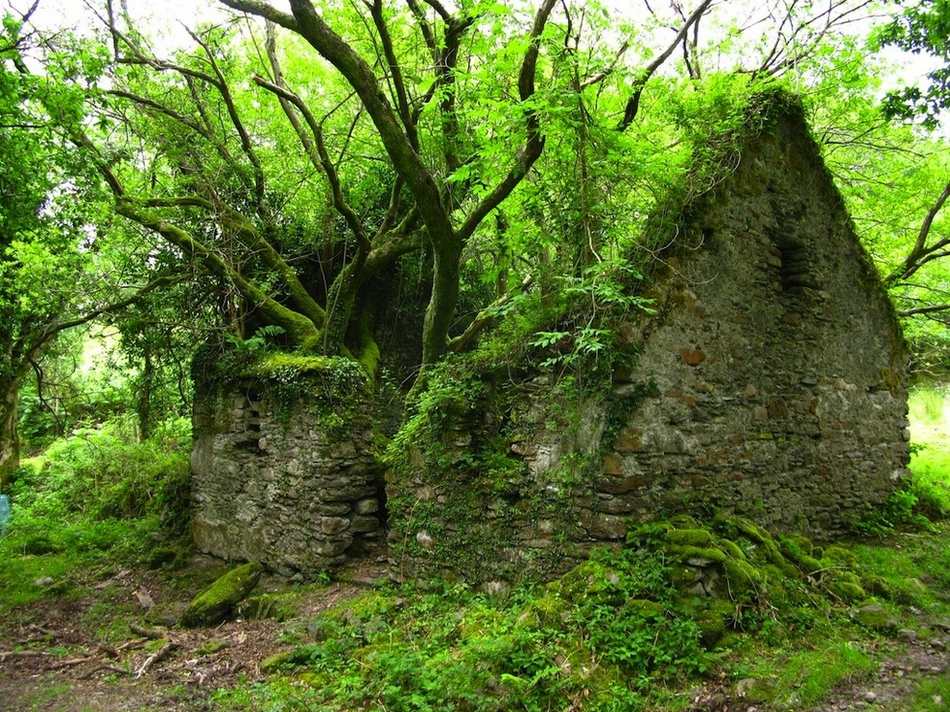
(776, 360)
(770, 383)
(281, 484)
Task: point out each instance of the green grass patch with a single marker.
(91, 500)
(36, 550)
(930, 466)
(931, 695)
(805, 678)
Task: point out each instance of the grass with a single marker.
(931, 695)
(930, 466)
(19, 577)
(91, 500)
(929, 414)
(807, 677)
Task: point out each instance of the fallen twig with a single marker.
(24, 654)
(73, 661)
(134, 643)
(150, 633)
(107, 650)
(156, 657)
(102, 668)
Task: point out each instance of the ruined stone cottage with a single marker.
(769, 382)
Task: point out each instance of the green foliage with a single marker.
(930, 695)
(930, 468)
(94, 496)
(921, 28)
(105, 474)
(615, 631)
(900, 510)
(454, 648)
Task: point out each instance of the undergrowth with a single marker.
(95, 495)
(625, 630)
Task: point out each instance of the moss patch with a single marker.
(216, 602)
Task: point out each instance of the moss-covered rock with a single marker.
(702, 556)
(210, 647)
(730, 548)
(643, 607)
(744, 578)
(876, 617)
(691, 537)
(840, 555)
(584, 579)
(846, 585)
(216, 602)
(792, 548)
(548, 609)
(167, 557)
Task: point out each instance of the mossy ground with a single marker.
(616, 633)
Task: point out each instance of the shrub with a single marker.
(104, 474)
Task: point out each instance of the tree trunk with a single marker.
(442, 302)
(340, 300)
(9, 439)
(143, 406)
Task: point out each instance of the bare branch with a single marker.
(246, 145)
(633, 103)
(402, 98)
(339, 201)
(920, 254)
(925, 310)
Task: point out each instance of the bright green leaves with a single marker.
(923, 28)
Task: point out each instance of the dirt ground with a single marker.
(106, 650)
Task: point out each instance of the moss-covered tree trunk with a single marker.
(442, 302)
(9, 438)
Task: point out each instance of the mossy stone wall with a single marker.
(284, 467)
(770, 383)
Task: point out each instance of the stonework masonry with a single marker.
(770, 383)
(272, 485)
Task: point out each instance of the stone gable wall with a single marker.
(776, 359)
(770, 383)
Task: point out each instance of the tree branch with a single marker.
(395, 72)
(633, 103)
(914, 259)
(534, 143)
(246, 144)
(925, 310)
